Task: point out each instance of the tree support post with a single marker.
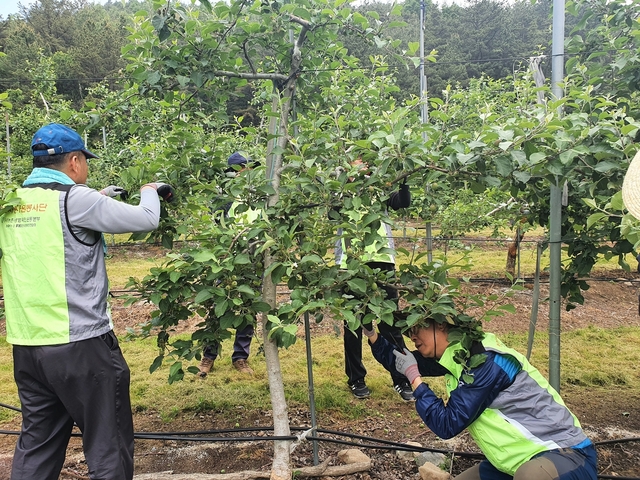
(555, 205)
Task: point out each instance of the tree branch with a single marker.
(300, 21)
(252, 76)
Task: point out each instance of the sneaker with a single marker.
(206, 364)
(404, 389)
(359, 389)
(242, 366)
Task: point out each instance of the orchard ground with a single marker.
(606, 413)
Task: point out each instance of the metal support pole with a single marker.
(519, 242)
(555, 205)
(312, 398)
(533, 320)
(6, 120)
(307, 328)
(424, 117)
(555, 244)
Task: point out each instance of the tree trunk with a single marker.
(281, 467)
(512, 253)
(278, 137)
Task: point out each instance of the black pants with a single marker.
(353, 366)
(85, 382)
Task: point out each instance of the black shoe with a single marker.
(404, 389)
(359, 389)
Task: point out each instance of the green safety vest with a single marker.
(525, 419)
(247, 217)
(371, 252)
(55, 286)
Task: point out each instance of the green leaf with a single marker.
(357, 285)
(246, 289)
(261, 306)
(220, 308)
(616, 203)
(507, 308)
(153, 78)
(203, 295)
(606, 166)
(413, 47)
(197, 78)
(157, 362)
(567, 156)
(477, 360)
(523, 177)
(595, 218)
(503, 166)
(158, 21)
(242, 259)
(175, 372)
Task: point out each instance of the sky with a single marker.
(11, 6)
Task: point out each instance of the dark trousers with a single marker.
(353, 366)
(85, 382)
(241, 345)
(559, 464)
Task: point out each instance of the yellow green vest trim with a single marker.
(372, 251)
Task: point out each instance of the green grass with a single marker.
(123, 263)
(489, 258)
(224, 390)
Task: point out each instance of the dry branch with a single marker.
(322, 470)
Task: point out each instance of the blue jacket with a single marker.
(466, 402)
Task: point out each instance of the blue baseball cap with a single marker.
(58, 139)
(236, 159)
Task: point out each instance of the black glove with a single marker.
(369, 330)
(165, 191)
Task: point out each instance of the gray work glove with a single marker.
(406, 364)
(114, 191)
(165, 191)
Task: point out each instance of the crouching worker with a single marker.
(66, 360)
(517, 419)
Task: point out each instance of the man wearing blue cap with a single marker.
(67, 362)
(242, 342)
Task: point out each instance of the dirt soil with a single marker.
(604, 416)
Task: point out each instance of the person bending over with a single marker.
(518, 420)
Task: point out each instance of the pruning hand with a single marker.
(406, 364)
(165, 191)
(369, 331)
(114, 191)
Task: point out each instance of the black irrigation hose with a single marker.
(10, 407)
(387, 444)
